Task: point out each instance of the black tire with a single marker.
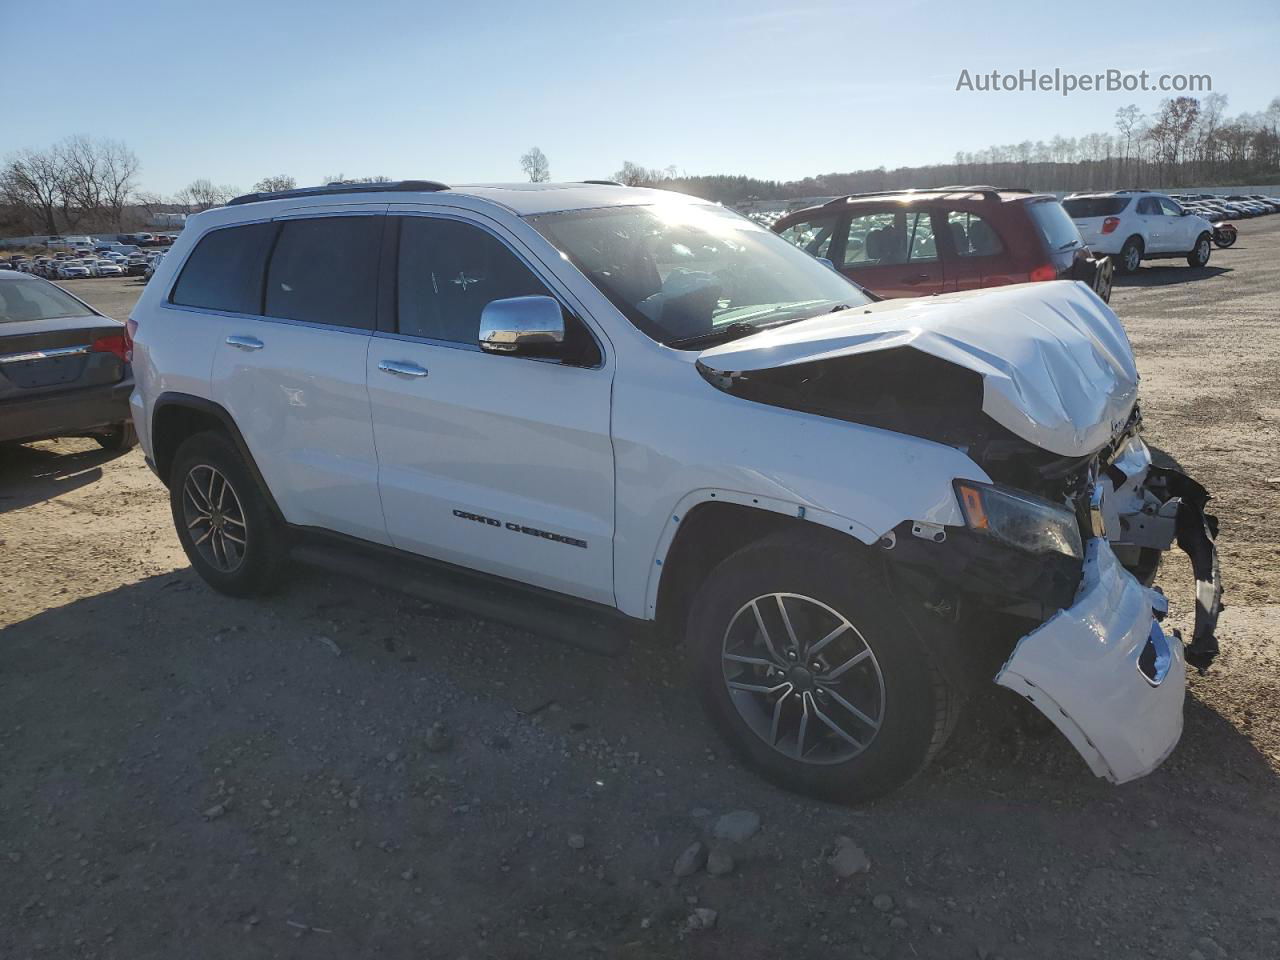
(917, 709)
(1199, 255)
(1130, 256)
(246, 518)
(121, 437)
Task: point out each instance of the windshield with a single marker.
(688, 273)
(37, 300)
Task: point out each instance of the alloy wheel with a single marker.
(214, 518)
(1132, 258)
(803, 678)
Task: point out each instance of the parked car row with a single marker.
(64, 266)
(1234, 206)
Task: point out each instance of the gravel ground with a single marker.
(342, 772)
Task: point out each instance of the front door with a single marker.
(1180, 229)
(893, 253)
(497, 463)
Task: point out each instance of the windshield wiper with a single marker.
(739, 328)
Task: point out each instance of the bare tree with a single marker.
(31, 181)
(203, 194)
(275, 184)
(343, 178)
(536, 166)
(634, 175)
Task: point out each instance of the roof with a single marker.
(522, 199)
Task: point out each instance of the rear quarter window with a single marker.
(224, 271)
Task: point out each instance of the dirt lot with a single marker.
(183, 775)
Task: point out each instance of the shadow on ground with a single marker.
(30, 474)
(188, 775)
(1160, 274)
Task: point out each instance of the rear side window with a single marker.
(224, 272)
(1055, 225)
(448, 271)
(325, 270)
(1082, 208)
(972, 235)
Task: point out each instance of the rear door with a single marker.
(497, 463)
(892, 252)
(976, 256)
(290, 361)
(1151, 221)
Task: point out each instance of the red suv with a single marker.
(911, 243)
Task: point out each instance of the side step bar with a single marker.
(582, 624)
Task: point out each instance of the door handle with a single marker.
(918, 278)
(402, 369)
(245, 343)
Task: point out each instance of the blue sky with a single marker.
(458, 91)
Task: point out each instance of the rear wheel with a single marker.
(1130, 256)
(120, 437)
(1199, 256)
(810, 672)
(224, 521)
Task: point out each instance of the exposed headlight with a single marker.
(1019, 519)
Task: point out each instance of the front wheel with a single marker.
(1199, 256)
(224, 521)
(811, 673)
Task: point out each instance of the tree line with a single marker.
(1185, 142)
(90, 185)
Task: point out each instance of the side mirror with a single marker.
(522, 325)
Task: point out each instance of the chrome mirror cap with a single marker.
(521, 324)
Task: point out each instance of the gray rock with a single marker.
(849, 858)
(899, 923)
(720, 863)
(437, 738)
(216, 811)
(702, 918)
(577, 841)
(737, 826)
(882, 902)
(690, 860)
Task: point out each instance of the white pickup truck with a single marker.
(586, 403)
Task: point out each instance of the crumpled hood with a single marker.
(1056, 365)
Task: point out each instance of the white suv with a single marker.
(1135, 225)
(585, 403)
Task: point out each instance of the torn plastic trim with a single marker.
(1084, 670)
(1196, 532)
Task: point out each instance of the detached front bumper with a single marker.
(1104, 672)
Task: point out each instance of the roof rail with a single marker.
(391, 186)
(987, 192)
(605, 183)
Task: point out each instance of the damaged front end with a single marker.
(1067, 542)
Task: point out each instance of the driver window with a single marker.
(873, 239)
(1170, 208)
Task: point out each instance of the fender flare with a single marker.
(172, 398)
(784, 508)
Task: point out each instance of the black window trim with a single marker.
(388, 320)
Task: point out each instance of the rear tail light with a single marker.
(1109, 224)
(1047, 272)
(130, 331)
(117, 343)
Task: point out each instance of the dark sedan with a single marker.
(64, 367)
